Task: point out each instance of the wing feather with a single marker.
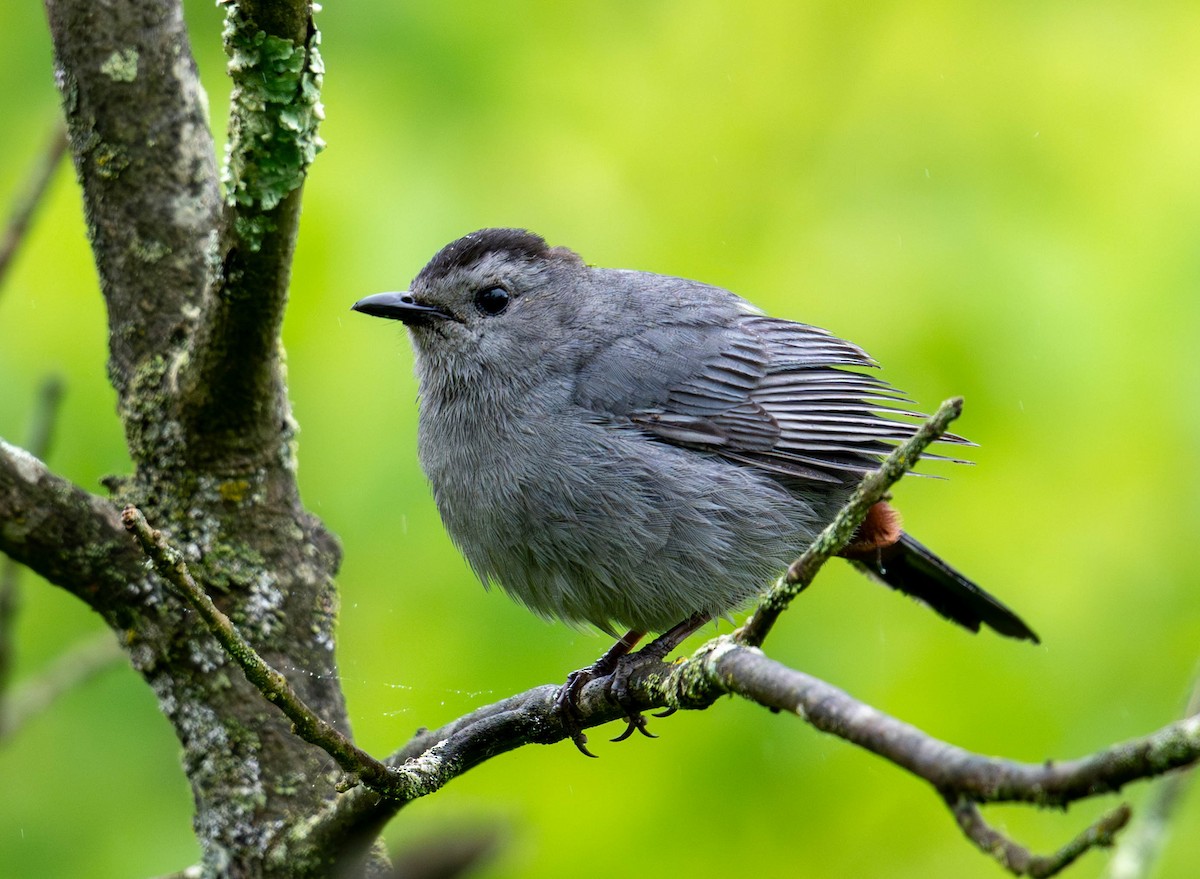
(778, 396)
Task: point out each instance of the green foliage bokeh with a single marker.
(996, 200)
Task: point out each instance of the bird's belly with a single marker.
(601, 524)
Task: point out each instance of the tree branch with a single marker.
(195, 292)
(145, 159)
(748, 673)
(722, 666)
(41, 433)
(70, 537)
(29, 201)
(169, 564)
(234, 397)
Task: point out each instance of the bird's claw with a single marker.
(566, 703)
(617, 665)
(635, 721)
(579, 738)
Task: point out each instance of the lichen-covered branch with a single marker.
(276, 68)
(195, 289)
(306, 723)
(234, 401)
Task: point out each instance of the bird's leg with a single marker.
(655, 651)
(619, 664)
(674, 636)
(568, 696)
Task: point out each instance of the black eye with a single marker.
(492, 300)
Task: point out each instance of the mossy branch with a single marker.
(234, 397)
(169, 564)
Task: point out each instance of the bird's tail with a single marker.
(909, 567)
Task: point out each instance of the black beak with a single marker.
(402, 307)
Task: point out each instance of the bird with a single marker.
(639, 452)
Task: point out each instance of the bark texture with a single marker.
(195, 289)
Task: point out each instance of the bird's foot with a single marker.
(617, 690)
(566, 703)
(618, 665)
(615, 674)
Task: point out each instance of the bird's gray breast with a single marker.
(582, 516)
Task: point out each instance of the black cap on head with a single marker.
(469, 249)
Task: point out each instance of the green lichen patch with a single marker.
(121, 66)
(274, 115)
(149, 250)
(109, 161)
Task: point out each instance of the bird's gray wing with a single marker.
(774, 394)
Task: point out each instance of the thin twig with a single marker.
(749, 673)
(80, 663)
(41, 433)
(838, 533)
(27, 204)
(1142, 845)
(1019, 860)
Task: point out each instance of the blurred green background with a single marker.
(1000, 201)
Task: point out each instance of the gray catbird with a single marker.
(627, 449)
